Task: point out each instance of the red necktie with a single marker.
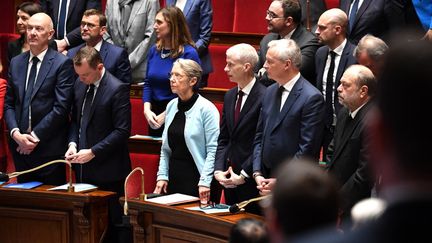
(238, 106)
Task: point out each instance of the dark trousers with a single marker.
(327, 138)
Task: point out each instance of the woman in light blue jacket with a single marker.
(190, 136)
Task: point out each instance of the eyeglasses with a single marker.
(89, 25)
(210, 205)
(272, 15)
(176, 76)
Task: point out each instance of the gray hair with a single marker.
(192, 70)
(245, 53)
(287, 50)
(374, 47)
(364, 76)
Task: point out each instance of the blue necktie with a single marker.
(24, 124)
(353, 14)
(62, 20)
(85, 117)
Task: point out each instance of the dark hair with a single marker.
(179, 31)
(291, 8)
(102, 18)
(305, 197)
(88, 53)
(403, 97)
(30, 8)
(249, 231)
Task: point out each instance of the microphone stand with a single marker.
(142, 196)
(239, 206)
(18, 173)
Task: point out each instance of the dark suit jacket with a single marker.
(74, 16)
(15, 48)
(308, 44)
(108, 130)
(115, 60)
(349, 159)
(373, 17)
(199, 18)
(50, 102)
(346, 60)
(294, 132)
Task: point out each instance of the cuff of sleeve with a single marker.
(162, 178)
(72, 144)
(242, 172)
(33, 134)
(67, 41)
(205, 182)
(13, 130)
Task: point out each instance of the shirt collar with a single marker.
(40, 56)
(289, 34)
(97, 83)
(290, 84)
(354, 113)
(247, 89)
(338, 50)
(98, 46)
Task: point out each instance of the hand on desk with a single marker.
(265, 185)
(161, 187)
(204, 194)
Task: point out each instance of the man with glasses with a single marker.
(93, 27)
(284, 22)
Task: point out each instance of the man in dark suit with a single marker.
(66, 15)
(370, 52)
(37, 104)
(367, 17)
(115, 59)
(400, 150)
(290, 124)
(101, 123)
(331, 61)
(347, 154)
(233, 163)
(283, 18)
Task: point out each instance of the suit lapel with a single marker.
(43, 71)
(81, 93)
(104, 50)
(342, 63)
(136, 6)
(22, 76)
(230, 107)
(250, 101)
(322, 63)
(56, 5)
(188, 7)
(99, 94)
(292, 97)
(361, 11)
(72, 5)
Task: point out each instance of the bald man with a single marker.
(347, 153)
(331, 60)
(37, 104)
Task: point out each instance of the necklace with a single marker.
(165, 53)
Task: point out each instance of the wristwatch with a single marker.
(255, 174)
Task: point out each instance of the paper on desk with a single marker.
(137, 136)
(78, 187)
(173, 199)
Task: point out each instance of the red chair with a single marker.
(218, 78)
(149, 163)
(4, 39)
(332, 4)
(139, 123)
(250, 17)
(223, 15)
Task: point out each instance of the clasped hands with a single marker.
(264, 185)
(26, 142)
(81, 157)
(228, 178)
(154, 121)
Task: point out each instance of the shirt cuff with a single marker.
(67, 41)
(13, 130)
(33, 134)
(72, 143)
(244, 174)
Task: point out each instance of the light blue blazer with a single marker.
(201, 134)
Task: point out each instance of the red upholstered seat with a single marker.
(218, 78)
(139, 123)
(332, 3)
(223, 15)
(4, 39)
(250, 17)
(149, 163)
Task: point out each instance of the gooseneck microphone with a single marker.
(7, 177)
(235, 208)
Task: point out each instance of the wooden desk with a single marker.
(159, 223)
(39, 215)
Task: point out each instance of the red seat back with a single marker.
(139, 123)
(223, 15)
(218, 78)
(149, 163)
(250, 17)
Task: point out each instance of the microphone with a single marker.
(142, 196)
(235, 208)
(7, 177)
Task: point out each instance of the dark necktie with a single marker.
(329, 90)
(62, 20)
(279, 98)
(25, 116)
(353, 13)
(85, 117)
(238, 106)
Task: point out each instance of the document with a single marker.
(26, 185)
(137, 136)
(78, 187)
(173, 199)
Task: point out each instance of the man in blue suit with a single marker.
(290, 124)
(115, 59)
(101, 123)
(199, 14)
(331, 60)
(242, 106)
(37, 104)
(66, 15)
